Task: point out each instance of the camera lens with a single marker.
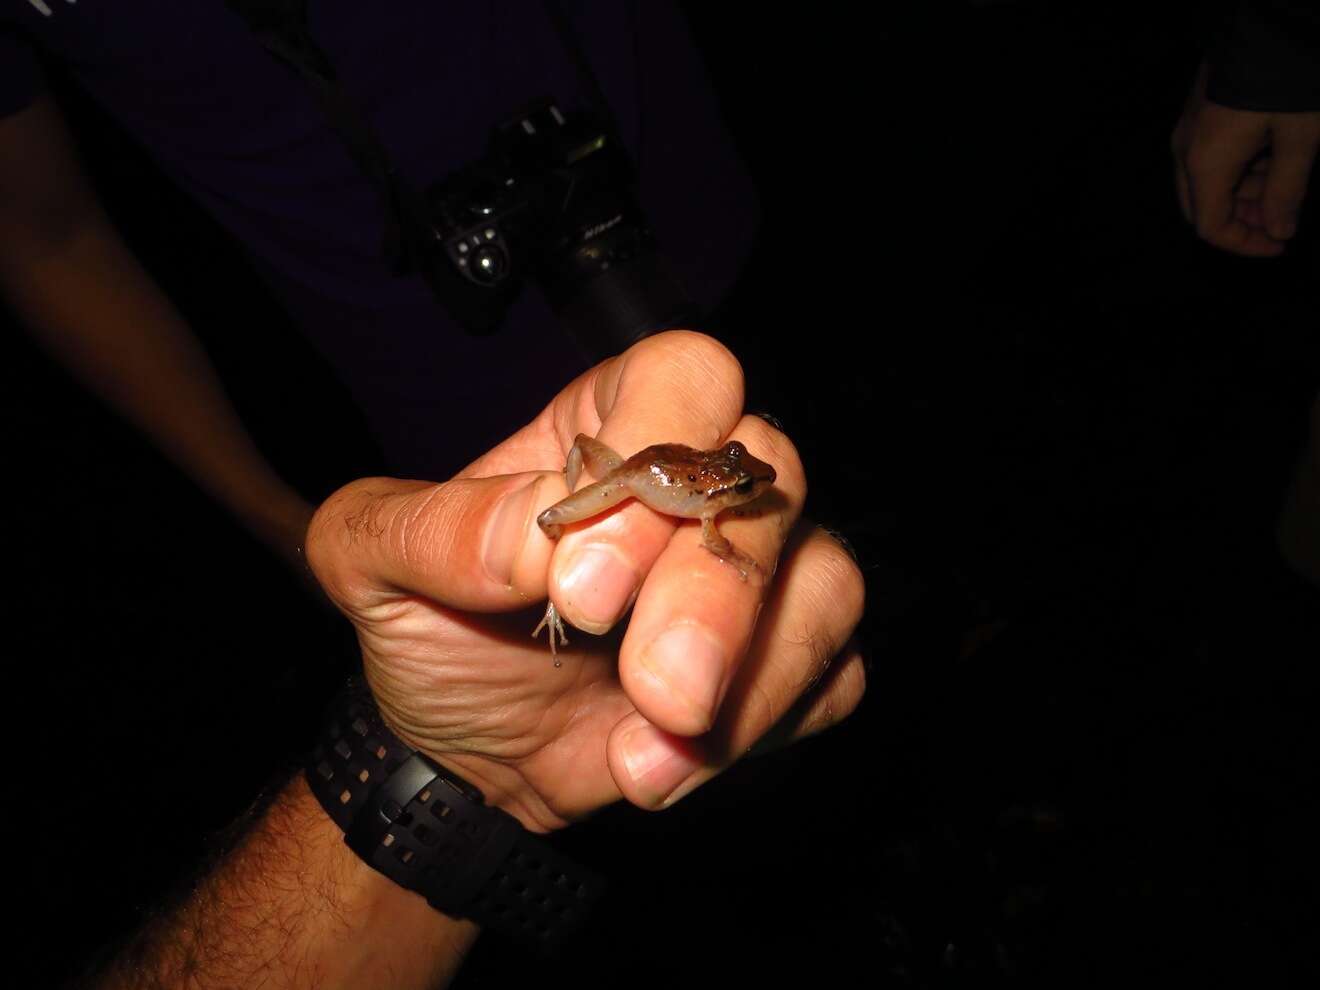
(488, 263)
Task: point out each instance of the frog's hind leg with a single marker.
(555, 624)
(590, 501)
(599, 459)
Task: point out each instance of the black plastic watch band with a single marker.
(430, 831)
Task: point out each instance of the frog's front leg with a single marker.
(724, 549)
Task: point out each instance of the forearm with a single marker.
(95, 309)
(293, 907)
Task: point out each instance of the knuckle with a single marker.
(830, 601)
(418, 526)
(334, 525)
(817, 654)
(838, 700)
(761, 709)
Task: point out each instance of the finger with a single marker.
(1295, 139)
(676, 387)
(1222, 145)
(1245, 233)
(1249, 212)
(467, 544)
(695, 615)
(827, 704)
(1252, 187)
(787, 688)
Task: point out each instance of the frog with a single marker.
(670, 478)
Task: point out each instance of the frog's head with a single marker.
(743, 477)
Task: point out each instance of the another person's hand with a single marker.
(1242, 175)
(442, 582)
(281, 524)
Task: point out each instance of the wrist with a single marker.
(500, 786)
(429, 829)
(291, 907)
(366, 915)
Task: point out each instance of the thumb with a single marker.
(469, 544)
(1294, 144)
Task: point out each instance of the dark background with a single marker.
(1055, 426)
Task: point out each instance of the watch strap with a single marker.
(431, 832)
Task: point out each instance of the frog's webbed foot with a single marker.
(725, 550)
(740, 560)
(554, 624)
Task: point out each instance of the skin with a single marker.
(1242, 175)
(436, 579)
(668, 477)
(82, 295)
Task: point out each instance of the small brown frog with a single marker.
(668, 477)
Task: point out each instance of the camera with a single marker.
(552, 202)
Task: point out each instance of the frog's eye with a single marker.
(743, 486)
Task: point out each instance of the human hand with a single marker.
(440, 581)
(1242, 175)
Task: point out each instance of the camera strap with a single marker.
(280, 26)
(591, 87)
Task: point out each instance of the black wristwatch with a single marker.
(430, 831)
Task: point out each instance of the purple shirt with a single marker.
(243, 135)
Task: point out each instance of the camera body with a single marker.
(552, 202)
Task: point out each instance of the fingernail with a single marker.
(600, 585)
(656, 763)
(505, 531)
(690, 662)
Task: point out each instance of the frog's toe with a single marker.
(554, 624)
